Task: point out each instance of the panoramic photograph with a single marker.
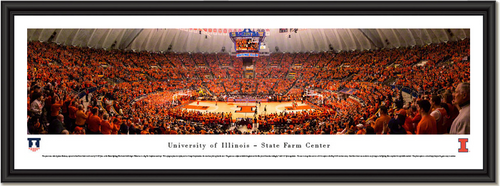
(248, 81)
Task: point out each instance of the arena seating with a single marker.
(378, 76)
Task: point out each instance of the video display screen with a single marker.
(247, 44)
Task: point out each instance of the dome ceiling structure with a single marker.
(304, 40)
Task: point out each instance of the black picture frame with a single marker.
(486, 9)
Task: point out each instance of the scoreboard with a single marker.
(247, 42)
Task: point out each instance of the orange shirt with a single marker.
(54, 111)
(380, 122)
(80, 118)
(115, 128)
(106, 127)
(94, 123)
(72, 112)
(427, 125)
(67, 101)
(408, 125)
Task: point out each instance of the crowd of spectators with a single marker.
(58, 75)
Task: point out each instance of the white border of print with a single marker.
(339, 145)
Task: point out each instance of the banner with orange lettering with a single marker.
(223, 31)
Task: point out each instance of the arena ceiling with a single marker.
(304, 40)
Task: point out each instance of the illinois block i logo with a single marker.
(463, 144)
(34, 144)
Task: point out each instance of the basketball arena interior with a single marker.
(248, 81)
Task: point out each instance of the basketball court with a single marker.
(246, 109)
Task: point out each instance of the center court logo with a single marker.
(246, 109)
(34, 144)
